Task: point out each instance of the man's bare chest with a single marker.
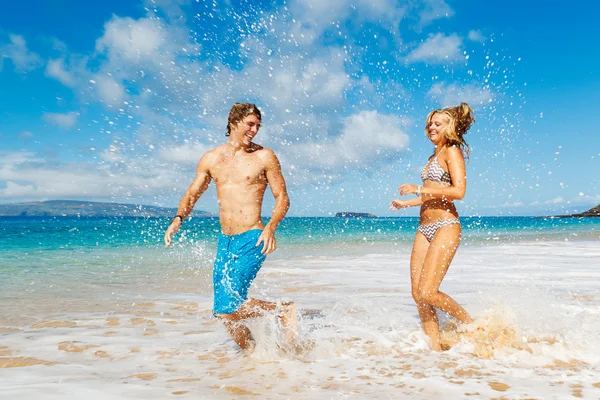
(248, 170)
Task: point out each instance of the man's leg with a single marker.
(238, 331)
(286, 313)
(253, 308)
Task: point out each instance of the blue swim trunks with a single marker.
(236, 265)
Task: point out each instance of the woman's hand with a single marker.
(397, 204)
(407, 188)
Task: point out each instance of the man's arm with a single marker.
(282, 202)
(191, 196)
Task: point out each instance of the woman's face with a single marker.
(436, 129)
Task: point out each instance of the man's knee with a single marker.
(228, 319)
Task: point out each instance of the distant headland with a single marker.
(592, 212)
(75, 208)
(354, 214)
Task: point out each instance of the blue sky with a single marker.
(117, 100)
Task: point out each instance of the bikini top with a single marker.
(435, 173)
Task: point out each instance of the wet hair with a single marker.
(460, 119)
(238, 112)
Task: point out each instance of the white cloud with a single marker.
(22, 58)
(56, 69)
(15, 190)
(317, 82)
(172, 8)
(66, 121)
(434, 9)
(451, 94)
(556, 200)
(367, 139)
(515, 204)
(25, 135)
(109, 90)
(437, 49)
(370, 134)
(584, 199)
(476, 36)
(576, 201)
(377, 10)
(184, 154)
(57, 44)
(134, 40)
(149, 58)
(27, 176)
(17, 157)
(315, 17)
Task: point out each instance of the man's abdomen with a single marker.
(240, 208)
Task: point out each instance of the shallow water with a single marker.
(133, 321)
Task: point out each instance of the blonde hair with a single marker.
(460, 119)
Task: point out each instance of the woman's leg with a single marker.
(439, 256)
(427, 312)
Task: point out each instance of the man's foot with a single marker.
(299, 347)
(288, 320)
(240, 333)
(249, 349)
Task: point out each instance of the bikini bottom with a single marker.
(429, 230)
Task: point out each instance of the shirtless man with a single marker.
(241, 170)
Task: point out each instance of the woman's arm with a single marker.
(457, 171)
(397, 204)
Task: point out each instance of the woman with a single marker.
(438, 235)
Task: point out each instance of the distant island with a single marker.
(592, 212)
(354, 214)
(75, 208)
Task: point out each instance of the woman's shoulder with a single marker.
(453, 153)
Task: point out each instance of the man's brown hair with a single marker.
(239, 111)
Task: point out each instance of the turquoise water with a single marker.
(101, 250)
(106, 301)
(64, 234)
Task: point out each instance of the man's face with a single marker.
(245, 130)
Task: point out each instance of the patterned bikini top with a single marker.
(435, 173)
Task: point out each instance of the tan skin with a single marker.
(242, 170)
(430, 260)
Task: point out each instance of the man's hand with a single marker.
(172, 230)
(267, 237)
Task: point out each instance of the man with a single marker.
(241, 171)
